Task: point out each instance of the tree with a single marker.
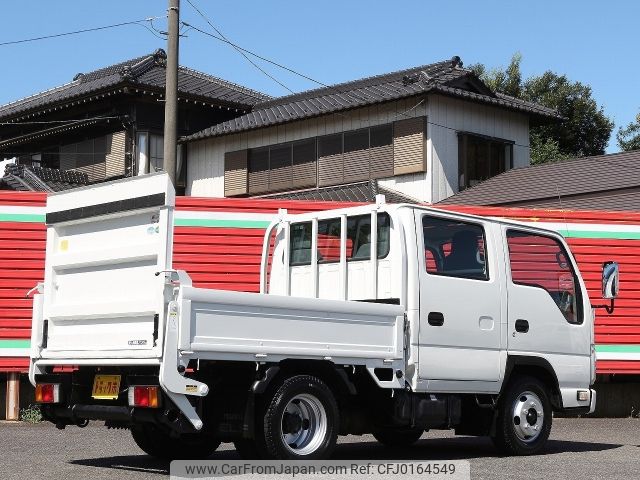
(586, 129)
(629, 137)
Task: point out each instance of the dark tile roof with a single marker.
(539, 185)
(447, 78)
(145, 72)
(363, 192)
(36, 179)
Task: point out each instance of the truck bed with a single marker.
(216, 324)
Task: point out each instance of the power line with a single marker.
(56, 35)
(264, 59)
(237, 48)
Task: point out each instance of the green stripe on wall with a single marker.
(21, 217)
(597, 234)
(15, 343)
(618, 348)
(202, 222)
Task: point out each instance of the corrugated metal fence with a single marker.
(219, 241)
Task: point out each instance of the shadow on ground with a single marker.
(459, 448)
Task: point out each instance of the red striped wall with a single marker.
(229, 258)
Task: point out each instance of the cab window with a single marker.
(454, 248)
(542, 262)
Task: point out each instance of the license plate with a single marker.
(106, 387)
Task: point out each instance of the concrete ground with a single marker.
(579, 449)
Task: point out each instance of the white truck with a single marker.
(382, 319)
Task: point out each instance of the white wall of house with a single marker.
(205, 158)
(447, 117)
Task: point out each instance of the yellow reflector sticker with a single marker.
(106, 387)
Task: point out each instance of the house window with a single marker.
(156, 153)
(480, 158)
(354, 156)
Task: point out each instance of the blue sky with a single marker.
(333, 41)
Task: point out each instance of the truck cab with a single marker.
(382, 319)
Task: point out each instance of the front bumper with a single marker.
(592, 404)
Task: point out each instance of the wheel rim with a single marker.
(528, 416)
(303, 424)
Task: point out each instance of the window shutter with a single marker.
(408, 146)
(304, 164)
(115, 152)
(381, 151)
(235, 173)
(356, 155)
(280, 168)
(330, 166)
(259, 171)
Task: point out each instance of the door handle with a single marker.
(435, 319)
(522, 326)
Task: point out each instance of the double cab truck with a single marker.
(381, 319)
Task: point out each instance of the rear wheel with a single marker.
(398, 437)
(524, 418)
(301, 420)
(159, 444)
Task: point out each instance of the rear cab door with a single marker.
(462, 345)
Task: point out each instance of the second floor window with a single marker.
(480, 158)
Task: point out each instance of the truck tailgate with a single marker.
(105, 244)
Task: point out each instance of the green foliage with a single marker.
(31, 414)
(586, 129)
(629, 136)
(544, 150)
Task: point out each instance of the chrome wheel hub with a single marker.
(304, 424)
(528, 416)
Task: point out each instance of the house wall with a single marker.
(205, 158)
(447, 117)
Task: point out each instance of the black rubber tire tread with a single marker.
(157, 443)
(276, 404)
(398, 437)
(505, 438)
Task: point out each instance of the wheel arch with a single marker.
(518, 365)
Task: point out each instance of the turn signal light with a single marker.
(583, 395)
(144, 396)
(48, 393)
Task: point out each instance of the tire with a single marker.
(524, 418)
(157, 443)
(398, 437)
(301, 420)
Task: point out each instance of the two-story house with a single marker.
(108, 123)
(426, 132)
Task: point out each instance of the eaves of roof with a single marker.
(441, 77)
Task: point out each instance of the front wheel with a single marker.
(159, 444)
(524, 418)
(301, 420)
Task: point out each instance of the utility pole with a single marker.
(171, 92)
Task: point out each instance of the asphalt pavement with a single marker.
(579, 449)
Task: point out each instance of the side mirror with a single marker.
(610, 280)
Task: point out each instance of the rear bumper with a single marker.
(77, 414)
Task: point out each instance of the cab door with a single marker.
(462, 302)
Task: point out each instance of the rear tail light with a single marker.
(144, 396)
(48, 393)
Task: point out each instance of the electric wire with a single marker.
(85, 30)
(236, 47)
